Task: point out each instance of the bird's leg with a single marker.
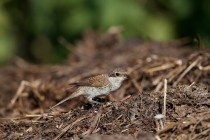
(100, 100)
(95, 100)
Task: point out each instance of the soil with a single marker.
(167, 95)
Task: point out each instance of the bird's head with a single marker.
(118, 75)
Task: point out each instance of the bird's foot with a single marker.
(99, 100)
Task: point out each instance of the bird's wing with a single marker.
(96, 81)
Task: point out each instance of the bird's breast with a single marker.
(114, 86)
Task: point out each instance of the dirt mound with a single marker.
(136, 111)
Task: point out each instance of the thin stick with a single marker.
(206, 68)
(187, 70)
(137, 86)
(160, 68)
(158, 87)
(26, 116)
(191, 84)
(63, 131)
(167, 128)
(125, 98)
(95, 122)
(164, 102)
(205, 132)
(18, 93)
(157, 137)
(157, 125)
(175, 73)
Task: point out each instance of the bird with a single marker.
(92, 87)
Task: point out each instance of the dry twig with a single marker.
(160, 68)
(94, 123)
(63, 131)
(18, 93)
(193, 64)
(137, 86)
(165, 93)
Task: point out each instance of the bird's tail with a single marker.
(75, 94)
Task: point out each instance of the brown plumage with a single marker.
(95, 81)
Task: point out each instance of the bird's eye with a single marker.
(117, 74)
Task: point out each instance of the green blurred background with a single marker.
(31, 28)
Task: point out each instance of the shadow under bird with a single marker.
(98, 85)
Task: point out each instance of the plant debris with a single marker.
(166, 97)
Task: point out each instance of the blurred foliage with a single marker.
(32, 28)
(6, 37)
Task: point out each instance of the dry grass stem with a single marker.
(193, 64)
(158, 87)
(18, 93)
(64, 130)
(206, 68)
(165, 93)
(125, 98)
(137, 86)
(159, 68)
(94, 123)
